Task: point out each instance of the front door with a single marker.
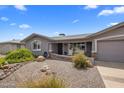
(60, 49)
(88, 48)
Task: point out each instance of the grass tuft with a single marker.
(46, 82)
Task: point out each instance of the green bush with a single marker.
(19, 55)
(8, 52)
(2, 60)
(45, 82)
(81, 61)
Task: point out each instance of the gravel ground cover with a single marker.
(73, 77)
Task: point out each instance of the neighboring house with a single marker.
(10, 45)
(106, 45)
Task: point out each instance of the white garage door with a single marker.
(111, 51)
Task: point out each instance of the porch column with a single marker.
(62, 48)
(85, 46)
(65, 48)
(70, 50)
(94, 46)
(68, 47)
(50, 47)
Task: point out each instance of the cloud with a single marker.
(75, 21)
(106, 12)
(91, 7)
(21, 34)
(21, 7)
(24, 26)
(12, 24)
(4, 19)
(115, 10)
(112, 24)
(56, 33)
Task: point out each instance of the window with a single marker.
(36, 45)
(18, 46)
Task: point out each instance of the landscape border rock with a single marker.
(11, 68)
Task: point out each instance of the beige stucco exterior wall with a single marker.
(44, 44)
(115, 32)
(4, 48)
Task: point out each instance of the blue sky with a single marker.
(17, 22)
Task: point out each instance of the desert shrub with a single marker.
(46, 82)
(2, 60)
(81, 61)
(8, 52)
(19, 55)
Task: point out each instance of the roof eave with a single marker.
(106, 30)
(34, 34)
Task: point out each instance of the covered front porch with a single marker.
(69, 48)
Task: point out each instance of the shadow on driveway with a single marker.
(117, 65)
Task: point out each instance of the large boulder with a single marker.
(40, 58)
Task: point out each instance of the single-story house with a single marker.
(106, 45)
(10, 45)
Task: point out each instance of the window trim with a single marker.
(39, 42)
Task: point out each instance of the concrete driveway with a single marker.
(112, 73)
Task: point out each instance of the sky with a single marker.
(19, 21)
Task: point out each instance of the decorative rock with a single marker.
(8, 69)
(18, 67)
(48, 72)
(54, 73)
(17, 64)
(11, 70)
(46, 67)
(5, 67)
(40, 59)
(5, 70)
(1, 73)
(3, 76)
(43, 70)
(7, 74)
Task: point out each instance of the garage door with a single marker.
(111, 51)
